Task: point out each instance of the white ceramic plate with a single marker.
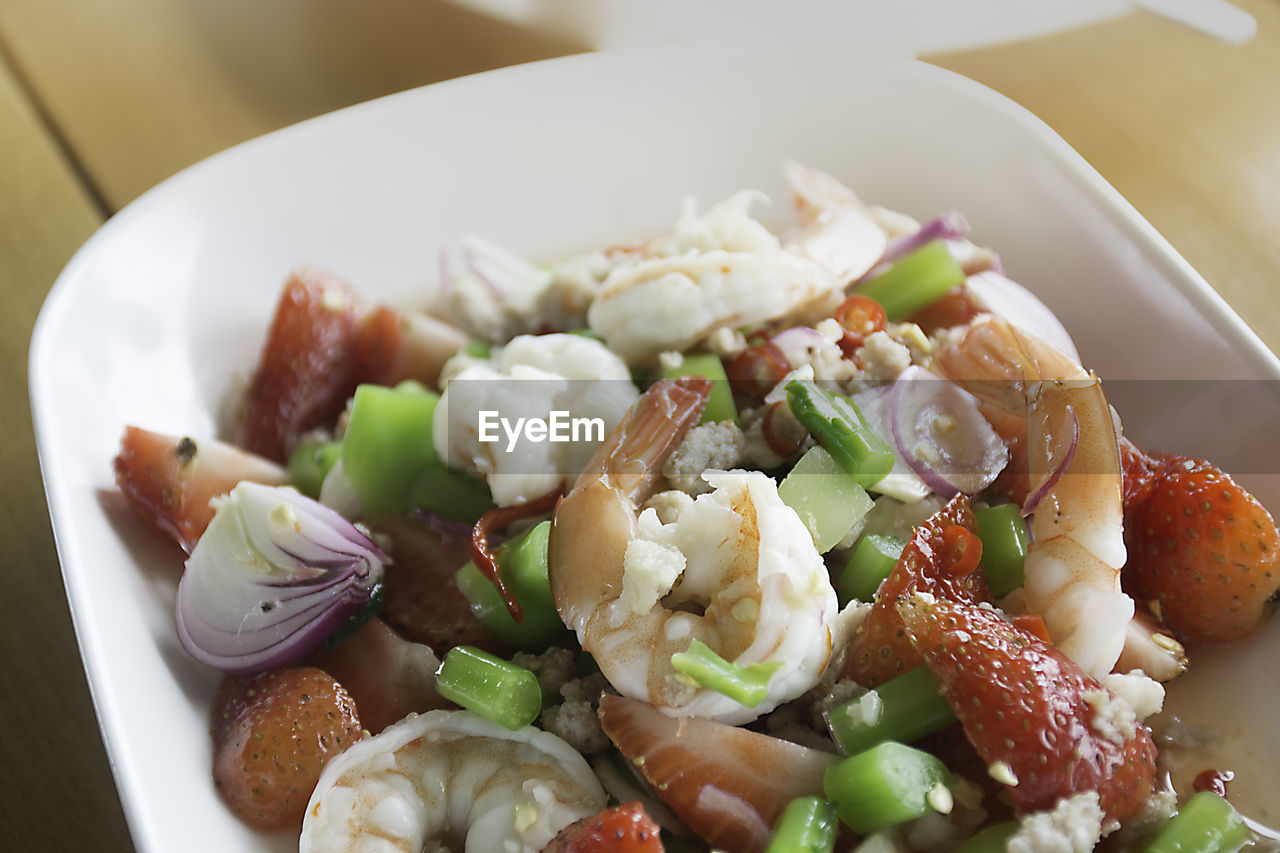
(155, 317)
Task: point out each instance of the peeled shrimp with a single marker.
(836, 229)
(1073, 564)
(453, 778)
(723, 268)
(737, 570)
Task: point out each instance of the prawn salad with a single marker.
(729, 539)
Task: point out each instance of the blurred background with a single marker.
(102, 99)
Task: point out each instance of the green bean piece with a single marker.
(746, 684)
(500, 691)
(720, 406)
(887, 785)
(309, 464)
(915, 280)
(1004, 546)
(904, 709)
(523, 567)
(807, 825)
(872, 561)
(834, 420)
(388, 456)
(1206, 823)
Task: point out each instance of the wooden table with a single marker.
(101, 99)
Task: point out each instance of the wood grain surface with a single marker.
(101, 99)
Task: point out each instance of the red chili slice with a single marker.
(496, 519)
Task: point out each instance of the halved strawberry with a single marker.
(1138, 473)
(308, 366)
(272, 734)
(393, 347)
(621, 829)
(1028, 710)
(728, 785)
(1202, 551)
(169, 481)
(388, 676)
(422, 601)
(880, 649)
(956, 307)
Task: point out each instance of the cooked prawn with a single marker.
(1073, 564)
(723, 269)
(454, 778)
(737, 570)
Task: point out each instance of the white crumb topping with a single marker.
(882, 357)
(670, 360)
(1074, 825)
(649, 570)
(1143, 694)
(727, 341)
(1113, 718)
(718, 446)
(669, 505)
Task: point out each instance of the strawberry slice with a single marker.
(388, 676)
(392, 347)
(308, 366)
(621, 829)
(422, 601)
(880, 649)
(956, 307)
(728, 785)
(169, 481)
(1029, 711)
(1202, 551)
(272, 734)
(1137, 473)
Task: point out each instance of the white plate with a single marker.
(156, 315)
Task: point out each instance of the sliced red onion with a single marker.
(939, 431)
(273, 576)
(946, 226)
(1005, 298)
(800, 345)
(1059, 460)
(901, 483)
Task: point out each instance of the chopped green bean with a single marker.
(1004, 546)
(720, 405)
(887, 785)
(807, 825)
(872, 561)
(825, 498)
(915, 280)
(993, 839)
(746, 684)
(904, 709)
(834, 420)
(500, 691)
(388, 456)
(309, 464)
(1206, 823)
(522, 565)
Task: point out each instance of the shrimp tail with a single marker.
(636, 451)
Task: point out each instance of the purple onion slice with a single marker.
(939, 431)
(273, 576)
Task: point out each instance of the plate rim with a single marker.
(1132, 225)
